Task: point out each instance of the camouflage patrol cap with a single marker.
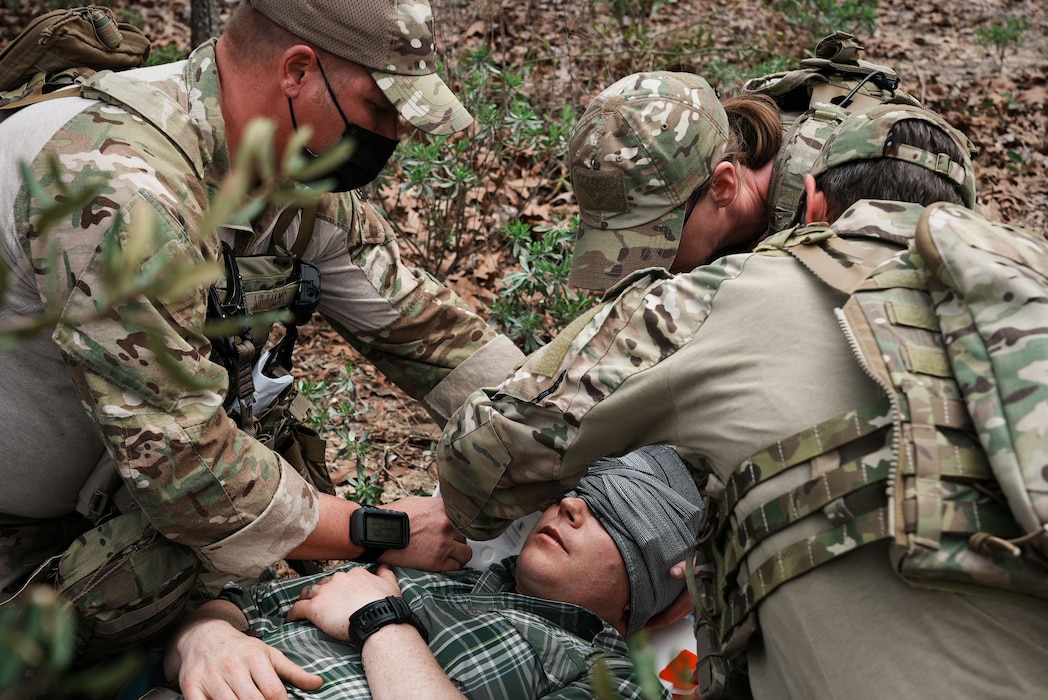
(393, 38)
(870, 134)
(640, 150)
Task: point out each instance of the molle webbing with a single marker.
(268, 283)
(851, 495)
(907, 468)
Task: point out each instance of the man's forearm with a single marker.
(391, 676)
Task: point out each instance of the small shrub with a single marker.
(1003, 38)
(159, 55)
(441, 191)
(536, 301)
(819, 18)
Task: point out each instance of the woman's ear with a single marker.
(724, 184)
(815, 201)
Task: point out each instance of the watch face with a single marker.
(382, 530)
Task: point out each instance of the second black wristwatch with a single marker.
(379, 613)
(378, 529)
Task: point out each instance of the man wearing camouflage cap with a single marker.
(665, 175)
(344, 70)
(821, 492)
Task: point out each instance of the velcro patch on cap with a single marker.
(600, 190)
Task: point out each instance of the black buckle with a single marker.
(307, 298)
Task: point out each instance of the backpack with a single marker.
(955, 324)
(810, 99)
(990, 290)
(60, 48)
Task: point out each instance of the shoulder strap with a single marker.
(305, 229)
(841, 263)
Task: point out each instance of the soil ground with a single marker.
(997, 97)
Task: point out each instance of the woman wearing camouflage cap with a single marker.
(666, 174)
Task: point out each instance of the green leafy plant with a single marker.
(818, 18)
(642, 655)
(331, 402)
(159, 55)
(333, 405)
(1016, 161)
(37, 653)
(366, 489)
(1003, 37)
(536, 301)
(447, 187)
(630, 11)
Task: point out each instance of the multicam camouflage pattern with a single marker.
(394, 38)
(127, 584)
(640, 150)
(810, 99)
(200, 480)
(511, 450)
(990, 291)
(800, 147)
(907, 469)
(937, 475)
(869, 135)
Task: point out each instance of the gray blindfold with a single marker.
(649, 504)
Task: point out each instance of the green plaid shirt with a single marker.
(492, 642)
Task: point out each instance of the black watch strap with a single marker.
(379, 613)
(370, 556)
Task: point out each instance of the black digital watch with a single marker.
(378, 529)
(377, 614)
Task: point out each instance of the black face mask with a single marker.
(370, 151)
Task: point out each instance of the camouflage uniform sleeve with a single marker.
(200, 480)
(417, 331)
(516, 448)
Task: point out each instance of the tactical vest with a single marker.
(257, 291)
(810, 99)
(907, 468)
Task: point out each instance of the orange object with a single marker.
(680, 672)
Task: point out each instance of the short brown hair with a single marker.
(892, 179)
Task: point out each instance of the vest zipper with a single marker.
(893, 399)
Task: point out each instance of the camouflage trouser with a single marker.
(24, 546)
